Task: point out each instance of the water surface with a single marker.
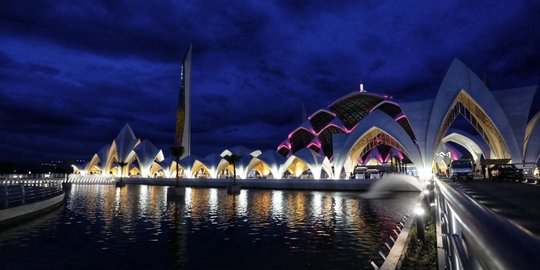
(137, 227)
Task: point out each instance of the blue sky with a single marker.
(72, 73)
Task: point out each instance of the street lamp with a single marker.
(420, 213)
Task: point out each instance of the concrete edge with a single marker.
(20, 212)
(395, 255)
(323, 185)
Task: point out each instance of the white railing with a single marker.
(474, 237)
(14, 194)
(90, 179)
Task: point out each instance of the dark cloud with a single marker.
(73, 73)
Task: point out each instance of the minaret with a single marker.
(183, 113)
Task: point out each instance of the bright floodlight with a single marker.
(419, 211)
(426, 192)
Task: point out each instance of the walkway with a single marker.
(28, 198)
(518, 202)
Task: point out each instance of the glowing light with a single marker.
(316, 134)
(454, 155)
(379, 158)
(187, 197)
(338, 208)
(385, 159)
(313, 144)
(400, 155)
(213, 200)
(143, 199)
(425, 173)
(299, 128)
(277, 203)
(400, 117)
(316, 203)
(419, 211)
(117, 199)
(242, 202)
(284, 146)
(344, 129)
(321, 111)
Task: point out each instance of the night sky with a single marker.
(73, 73)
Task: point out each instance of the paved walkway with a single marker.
(518, 202)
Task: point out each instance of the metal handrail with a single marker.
(480, 238)
(18, 194)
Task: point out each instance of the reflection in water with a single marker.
(277, 204)
(143, 199)
(117, 200)
(316, 204)
(213, 201)
(242, 202)
(137, 227)
(187, 196)
(337, 206)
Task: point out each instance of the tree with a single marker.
(177, 152)
(6, 167)
(233, 159)
(122, 164)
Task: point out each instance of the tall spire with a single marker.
(183, 113)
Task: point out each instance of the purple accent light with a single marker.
(400, 155)
(400, 117)
(453, 154)
(320, 111)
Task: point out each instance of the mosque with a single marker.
(355, 136)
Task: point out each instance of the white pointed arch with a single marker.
(198, 166)
(112, 157)
(104, 155)
(125, 141)
(468, 143)
(461, 89)
(212, 162)
(312, 160)
(188, 163)
(271, 160)
(242, 165)
(167, 166)
(531, 145)
(92, 165)
(348, 145)
(295, 166)
(146, 154)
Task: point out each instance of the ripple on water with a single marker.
(137, 227)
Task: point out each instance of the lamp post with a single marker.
(420, 213)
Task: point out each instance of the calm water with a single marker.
(137, 227)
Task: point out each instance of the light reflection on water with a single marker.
(138, 227)
(277, 204)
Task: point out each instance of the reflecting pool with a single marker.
(137, 227)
